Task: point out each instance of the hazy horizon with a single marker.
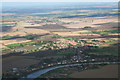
(60, 1)
(14, 6)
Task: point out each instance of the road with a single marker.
(40, 72)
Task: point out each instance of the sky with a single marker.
(60, 0)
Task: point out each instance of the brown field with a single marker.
(22, 31)
(109, 71)
(65, 30)
(65, 34)
(14, 41)
(17, 62)
(76, 23)
(10, 61)
(88, 22)
(107, 26)
(53, 32)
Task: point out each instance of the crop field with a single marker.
(47, 35)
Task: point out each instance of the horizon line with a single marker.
(65, 1)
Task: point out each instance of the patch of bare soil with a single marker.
(110, 71)
(107, 26)
(17, 62)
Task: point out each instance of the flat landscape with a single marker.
(106, 71)
(110, 71)
(43, 36)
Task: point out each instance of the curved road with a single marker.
(40, 72)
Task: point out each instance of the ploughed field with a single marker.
(109, 71)
(55, 28)
(26, 59)
(39, 38)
